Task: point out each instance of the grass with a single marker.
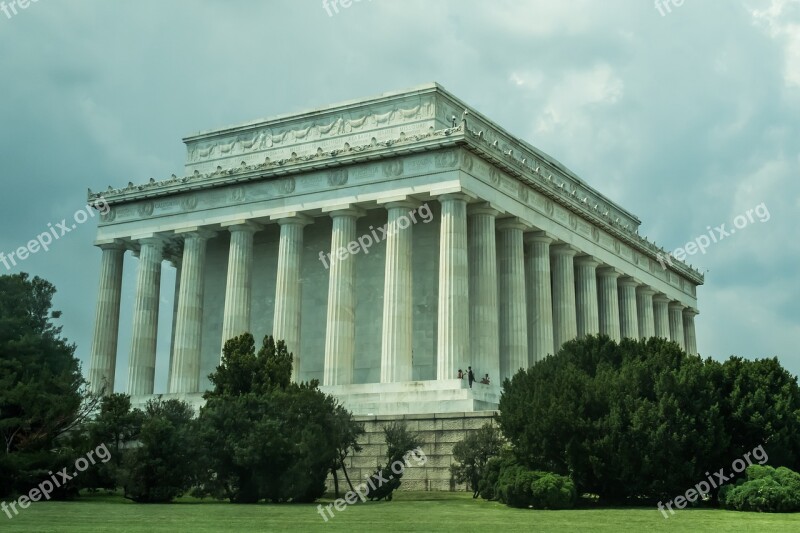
(410, 511)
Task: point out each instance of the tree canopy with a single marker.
(42, 392)
(642, 418)
(264, 436)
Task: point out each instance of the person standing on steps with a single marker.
(470, 376)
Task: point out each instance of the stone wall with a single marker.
(438, 432)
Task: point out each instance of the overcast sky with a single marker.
(685, 115)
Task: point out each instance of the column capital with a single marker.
(456, 192)
(111, 244)
(463, 196)
(151, 239)
(484, 208)
(292, 218)
(646, 290)
(660, 297)
(538, 236)
(196, 232)
(344, 210)
(398, 199)
(675, 305)
(587, 260)
(563, 249)
(512, 223)
(243, 225)
(609, 272)
(629, 281)
(400, 204)
(690, 312)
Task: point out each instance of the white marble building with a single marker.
(515, 256)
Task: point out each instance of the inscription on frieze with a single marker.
(168, 203)
(419, 164)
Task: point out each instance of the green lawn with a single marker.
(412, 512)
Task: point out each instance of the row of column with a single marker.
(508, 296)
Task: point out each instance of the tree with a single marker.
(163, 465)
(265, 437)
(43, 395)
(346, 433)
(473, 453)
(400, 443)
(760, 402)
(639, 419)
(118, 427)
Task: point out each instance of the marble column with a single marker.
(341, 323)
(483, 312)
(586, 303)
(177, 263)
(453, 319)
(398, 300)
(565, 326)
(644, 309)
(236, 320)
(102, 369)
(185, 372)
(288, 289)
(513, 308)
(689, 333)
(676, 332)
(539, 296)
(608, 302)
(144, 334)
(628, 316)
(661, 316)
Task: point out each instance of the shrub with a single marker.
(519, 487)
(491, 473)
(551, 491)
(765, 489)
(513, 487)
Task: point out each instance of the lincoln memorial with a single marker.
(483, 252)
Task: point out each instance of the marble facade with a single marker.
(520, 256)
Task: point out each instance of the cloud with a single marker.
(686, 120)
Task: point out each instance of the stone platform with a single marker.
(411, 397)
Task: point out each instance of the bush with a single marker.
(765, 489)
(491, 473)
(518, 487)
(163, 465)
(551, 491)
(472, 454)
(513, 487)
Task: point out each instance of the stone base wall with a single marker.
(438, 433)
